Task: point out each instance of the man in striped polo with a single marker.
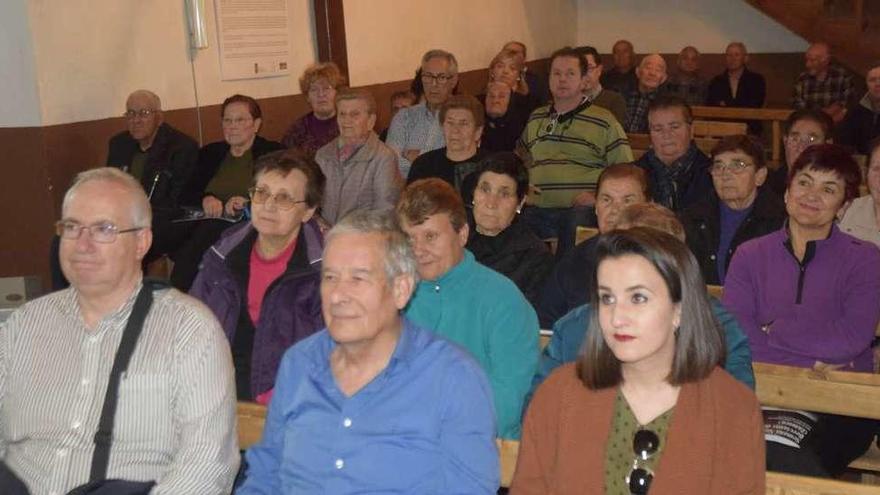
(174, 422)
(567, 144)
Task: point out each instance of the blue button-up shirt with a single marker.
(424, 425)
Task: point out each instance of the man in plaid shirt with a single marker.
(823, 85)
(651, 74)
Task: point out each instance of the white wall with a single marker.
(385, 39)
(668, 25)
(18, 76)
(90, 54)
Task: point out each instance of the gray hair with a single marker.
(399, 257)
(349, 94)
(738, 44)
(450, 58)
(141, 214)
(153, 98)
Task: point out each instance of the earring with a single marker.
(518, 210)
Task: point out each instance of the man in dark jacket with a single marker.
(160, 157)
(677, 169)
(739, 208)
(862, 122)
(738, 86)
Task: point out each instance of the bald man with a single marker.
(823, 85)
(159, 156)
(651, 74)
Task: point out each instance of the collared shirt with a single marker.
(810, 92)
(425, 424)
(637, 109)
(175, 421)
(414, 128)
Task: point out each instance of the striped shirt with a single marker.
(414, 128)
(175, 420)
(568, 152)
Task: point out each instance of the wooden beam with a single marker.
(330, 31)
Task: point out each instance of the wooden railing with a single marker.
(776, 116)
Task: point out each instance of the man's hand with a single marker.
(235, 205)
(411, 155)
(836, 111)
(586, 198)
(213, 207)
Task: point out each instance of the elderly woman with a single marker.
(361, 170)
(742, 208)
(462, 120)
(319, 83)
(647, 408)
(497, 239)
(862, 218)
(261, 279)
(806, 295)
(219, 183)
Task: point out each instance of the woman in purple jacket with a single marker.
(262, 277)
(808, 295)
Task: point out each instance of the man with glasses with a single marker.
(601, 96)
(803, 128)
(567, 144)
(416, 129)
(678, 171)
(261, 279)
(174, 421)
(741, 208)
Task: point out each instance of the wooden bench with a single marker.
(718, 129)
(584, 233)
(251, 420)
(776, 116)
(823, 391)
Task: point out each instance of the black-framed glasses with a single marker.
(142, 113)
(646, 443)
(442, 78)
(104, 232)
(733, 166)
(282, 200)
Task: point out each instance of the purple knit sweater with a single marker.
(826, 310)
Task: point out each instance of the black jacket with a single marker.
(702, 225)
(516, 253)
(170, 163)
(210, 158)
(569, 283)
(859, 127)
(750, 93)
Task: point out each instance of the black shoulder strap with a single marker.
(104, 435)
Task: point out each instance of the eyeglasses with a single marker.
(143, 113)
(104, 232)
(282, 200)
(645, 444)
(807, 139)
(734, 166)
(227, 122)
(429, 78)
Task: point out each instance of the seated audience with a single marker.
(498, 239)
(568, 285)
(677, 168)
(687, 82)
(651, 74)
(862, 218)
(416, 129)
(568, 333)
(622, 76)
(160, 157)
(374, 403)
(600, 96)
(361, 170)
(862, 122)
(567, 144)
(738, 86)
(504, 122)
(261, 279)
(806, 296)
(802, 129)
(467, 303)
(823, 85)
(537, 84)
(740, 209)
(462, 120)
(319, 83)
(224, 172)
(173, 426)
(509, 67)
(399, 99)
(647, 408)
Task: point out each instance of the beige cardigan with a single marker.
(715, 443)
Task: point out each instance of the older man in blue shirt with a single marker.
(374, 403)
